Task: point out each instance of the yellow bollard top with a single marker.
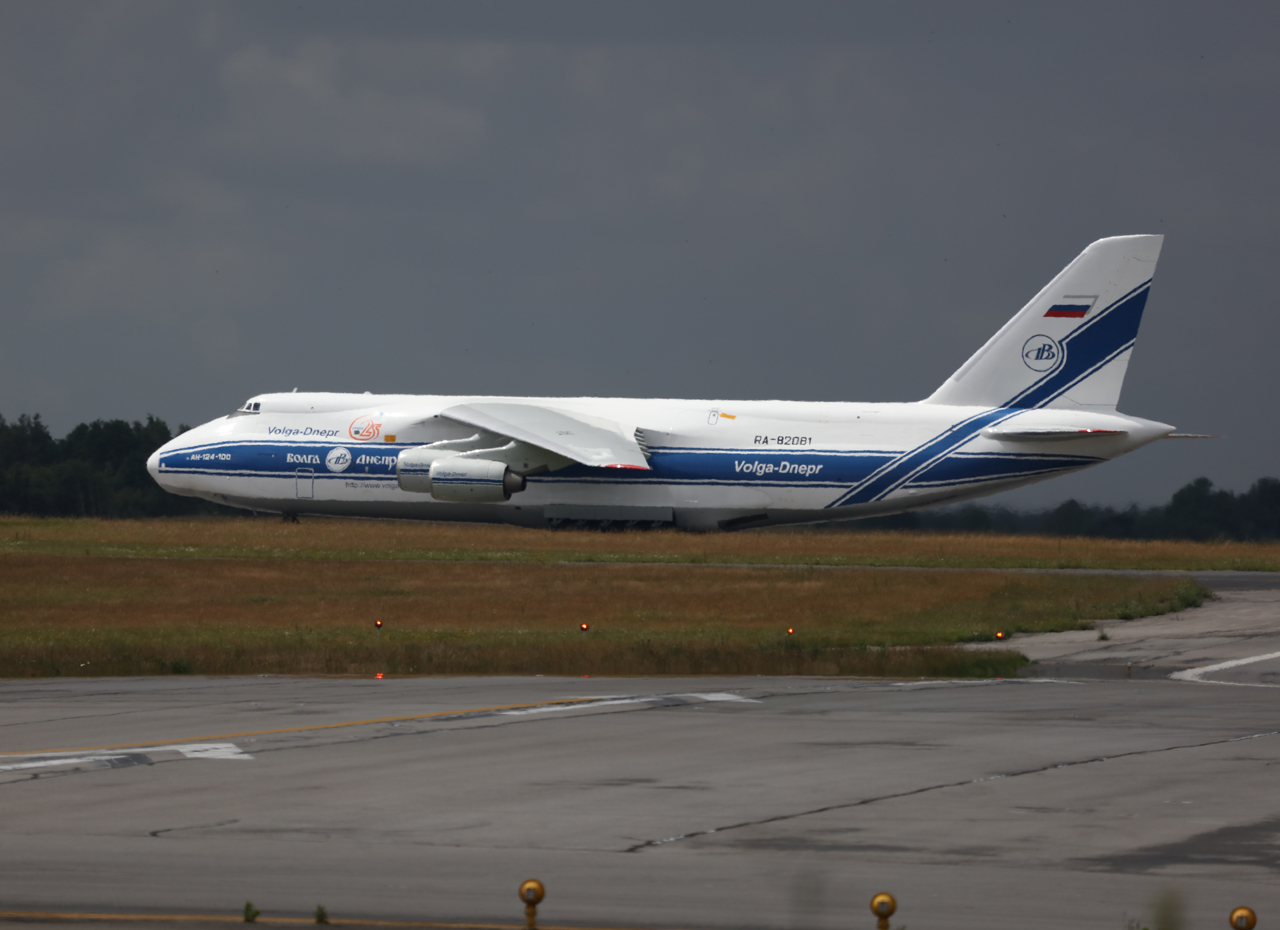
(1243, 918)
(883, 906)
(532, 892)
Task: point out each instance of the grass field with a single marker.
(255, 596)
(240, 538)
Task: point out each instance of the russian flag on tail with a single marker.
(1074, 311)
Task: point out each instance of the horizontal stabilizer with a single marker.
(1052, 434)
(553, 430)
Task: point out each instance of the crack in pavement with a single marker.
(195, 826)
(777, 818)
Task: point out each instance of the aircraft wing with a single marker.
(555, 431)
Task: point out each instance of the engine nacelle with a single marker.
(476, 480)
(454, 478)
(413, 469)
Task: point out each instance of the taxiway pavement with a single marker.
(1233, 638)
(778, 803)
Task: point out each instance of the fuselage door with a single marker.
(306, 483)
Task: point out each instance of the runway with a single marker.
(673, 803)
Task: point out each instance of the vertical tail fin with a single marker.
(1070, 346)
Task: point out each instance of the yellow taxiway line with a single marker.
(321, 726)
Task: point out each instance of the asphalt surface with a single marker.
(759, 802)
(1233, 639)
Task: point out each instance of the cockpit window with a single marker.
(250, 407)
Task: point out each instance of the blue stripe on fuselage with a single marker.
(894, 474)
(793, 467)
(933, 464)
(971, 467)
(277, 458)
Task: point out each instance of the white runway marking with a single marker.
(45, 763)
(205, 750)
(550, 709)
(38, 760)
(1197, 674)
(613, 701)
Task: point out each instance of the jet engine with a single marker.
(455, 478)
(413, 469)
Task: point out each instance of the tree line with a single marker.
(99, 469)
(1196, 511)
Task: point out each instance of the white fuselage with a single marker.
(712, 464)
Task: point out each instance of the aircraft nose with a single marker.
(153, 462)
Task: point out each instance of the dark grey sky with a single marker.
(690, 199)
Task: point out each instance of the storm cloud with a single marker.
(721, 200)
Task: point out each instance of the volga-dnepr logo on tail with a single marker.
(1040, 353)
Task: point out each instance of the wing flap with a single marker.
(553, 430)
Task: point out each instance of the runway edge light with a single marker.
(531, 893)
(1243, 918)
(883, 905)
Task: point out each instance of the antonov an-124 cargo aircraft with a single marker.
(1038, 400)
